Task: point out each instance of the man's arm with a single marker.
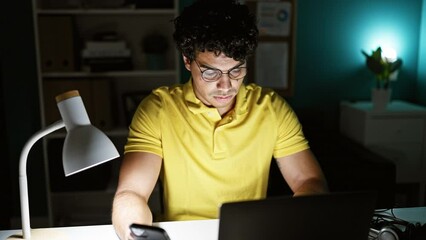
(138, 175)
(302, 173)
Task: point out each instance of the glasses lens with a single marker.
(211, 74)
(237, 72)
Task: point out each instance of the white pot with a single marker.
(380, 98)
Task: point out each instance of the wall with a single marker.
(421, 77)
(6, 199)
(20, 103)
(330, 37)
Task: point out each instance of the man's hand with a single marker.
(138, 176)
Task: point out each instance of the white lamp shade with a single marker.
(86, 147)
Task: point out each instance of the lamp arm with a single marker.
(23, 183)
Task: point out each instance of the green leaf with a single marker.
(395, 65)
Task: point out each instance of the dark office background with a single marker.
(329, 68)
(20, 113)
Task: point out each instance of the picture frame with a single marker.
(273, 63)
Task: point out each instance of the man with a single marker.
(211, 139)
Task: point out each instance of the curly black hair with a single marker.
(219, 26)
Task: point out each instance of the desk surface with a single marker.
(181, 230)
(395, 106)
(414, 214)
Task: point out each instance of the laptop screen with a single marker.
(333, 216)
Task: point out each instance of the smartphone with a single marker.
(146, 232)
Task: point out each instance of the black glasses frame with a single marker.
(220, 72)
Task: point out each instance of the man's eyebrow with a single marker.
(202, 65)
(239, 65)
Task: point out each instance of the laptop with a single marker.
(332, 216)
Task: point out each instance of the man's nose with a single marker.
(224, 82)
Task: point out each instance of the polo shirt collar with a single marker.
(196, 106)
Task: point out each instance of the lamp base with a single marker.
(42, 234)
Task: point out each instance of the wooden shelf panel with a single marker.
(165, 73)
(115, 132)
(123, 11)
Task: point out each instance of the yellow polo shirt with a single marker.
(209, 159)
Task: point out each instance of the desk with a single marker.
(181, 230)
(413, 214)
(398, 134)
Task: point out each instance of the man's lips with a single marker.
(223, 98)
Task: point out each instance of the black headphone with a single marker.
(388, 227)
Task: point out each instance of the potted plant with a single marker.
(155, 46)
(385, 69)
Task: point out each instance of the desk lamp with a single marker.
(85, 146)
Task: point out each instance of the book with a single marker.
(105, 45)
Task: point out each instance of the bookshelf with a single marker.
(62, 30)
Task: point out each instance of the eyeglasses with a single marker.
(212, 75)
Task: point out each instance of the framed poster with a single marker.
(273, 62)
(274, 18)
(271, 65)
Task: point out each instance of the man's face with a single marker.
(221, 93)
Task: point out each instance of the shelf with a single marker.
(92, 207)
(165, 73)
(115, 132)
(122, 11)
(59, 31)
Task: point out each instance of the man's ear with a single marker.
(187, 62)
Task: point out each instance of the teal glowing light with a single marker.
(381, 27)
(389, 39)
